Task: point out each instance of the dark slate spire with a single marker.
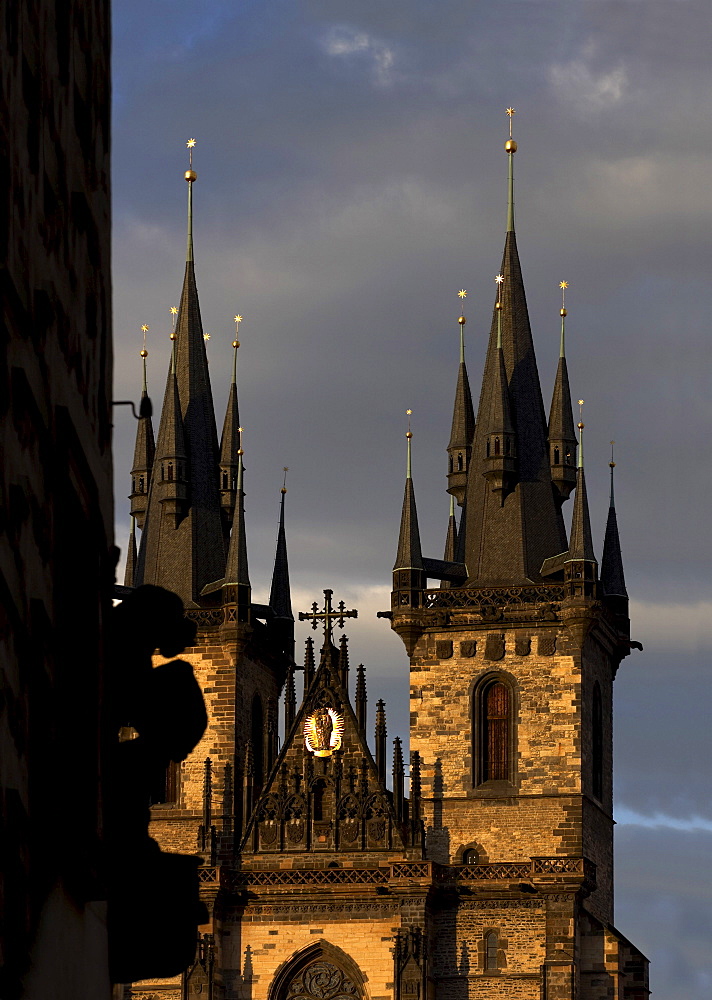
(409, 555)
(237, 577)
(450, 541)
(500, 443)
(131, 555)
(144, 450)
(562, 436)
(612, 576)
(187, 552)
(508, 537)
(229, 444)
(463, 425)
(169, 493)
(580, 566)
(280, 596)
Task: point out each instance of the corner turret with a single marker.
(459, 447)
(562, 436)
(499, 437)
(580, 566)
(144, 449)
(229, 443)
(408, 572)
(612, 577)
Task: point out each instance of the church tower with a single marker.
(512, 670)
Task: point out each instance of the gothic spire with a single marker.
(186, 552)
(463, 423)
(612, 576)
(562, 436)
(229, 443)
(131, 556)
(509, 533)
(144, 449)
(280, 599)
(236, 571)
(580, 566)
(409, 554)
(450, 541)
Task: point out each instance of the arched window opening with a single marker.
(318, 800)
(163, 473)
(170, 472)
(140, 484)
(470, 857)
(568, 456)
(495, 732)
(258, 739)
(597, 743)
(507, 446)
(488, 448)
(557, 455)
(459, 461)
(165, 785)
(450, 464)
(224, 480)
(496, 446)
(491, 945)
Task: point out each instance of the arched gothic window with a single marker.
(170, 472)
(459, 461)
(597, 742)
(496, 446)
(491, 945)
(224, 480)
(318, 976)
(493, 734)
(556, 456)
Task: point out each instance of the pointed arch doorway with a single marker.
(322, 972)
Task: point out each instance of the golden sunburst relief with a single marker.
(323, 730)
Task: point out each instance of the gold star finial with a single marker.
(206, 337)
(174, 314)
(408, 432)
(144, 331)
(190, 144)
(563, 285)
(462, 293)
(499, 279)
(580, 423)
(511, 112)
(285, 469)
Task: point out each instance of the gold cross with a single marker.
(328, 615)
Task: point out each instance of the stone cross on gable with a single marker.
(328, 614)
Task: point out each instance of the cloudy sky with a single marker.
(351, 179)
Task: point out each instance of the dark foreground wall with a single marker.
(56, 513)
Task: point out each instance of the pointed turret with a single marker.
(408, 572)
(381, 734)
(344, 662)
(510, 532)
(562, 436)
(184, 550)
(361, 699)
(144, 449)
(170, 472)
(236, 586)
(229, 444)
(450, 541)
(463, 424)
(290, 701)
(130, 571)
(612, 576)
(500, 441)
(309, 664)
(280, 595)
(580, 566)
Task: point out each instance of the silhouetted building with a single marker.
(56, 507)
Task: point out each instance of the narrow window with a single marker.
(318, 800)
(491, 944)
(568, 456)
(496, 446)
(224, 475)
(495, 743)
(597, 743)
(140, 484)
(507, 446)
(170, 472)
(164, 785)
(556, 456)
(163, 473)
(459, 461)
(450, 463)
(488, 448)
